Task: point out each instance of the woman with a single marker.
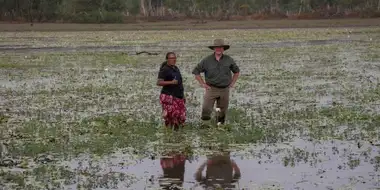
(172, 94)
(173, 166)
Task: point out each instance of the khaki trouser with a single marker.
(221, 96)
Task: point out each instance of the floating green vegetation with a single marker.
(303, 97)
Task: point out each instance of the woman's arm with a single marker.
(162, 74)
(161, 82)
(198, 174)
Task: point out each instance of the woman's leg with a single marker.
(167, 109)
(179, 112)
(174, 111)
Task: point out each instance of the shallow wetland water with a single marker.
(80, 110)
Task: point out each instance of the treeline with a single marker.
(118, 11)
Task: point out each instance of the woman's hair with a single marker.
(168, 53)
(166, 58)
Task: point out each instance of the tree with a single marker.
(113, 10)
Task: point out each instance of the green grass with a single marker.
(104, 134)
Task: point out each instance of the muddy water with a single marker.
(158, 47)
(299, 164)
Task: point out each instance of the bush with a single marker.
(86, 17)
(112, 17)
(97, 17)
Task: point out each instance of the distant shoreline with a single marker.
(192, 25)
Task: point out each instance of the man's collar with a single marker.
(221, 57)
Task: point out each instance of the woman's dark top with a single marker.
(169, 73)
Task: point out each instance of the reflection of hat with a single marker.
(219, 43)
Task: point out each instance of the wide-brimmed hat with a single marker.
(219, 43)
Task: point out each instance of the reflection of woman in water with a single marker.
(221, 171)
(173, 166)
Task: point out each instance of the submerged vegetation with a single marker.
(81, 110)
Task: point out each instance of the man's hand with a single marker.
(204, 85)
(200, 80)
(234, 79)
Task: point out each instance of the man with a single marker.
(217, 69)
(221, 171)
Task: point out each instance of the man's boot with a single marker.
(206, 123)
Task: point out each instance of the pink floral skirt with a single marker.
(173, 110)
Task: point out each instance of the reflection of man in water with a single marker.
(221, 171)
(173, 166)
